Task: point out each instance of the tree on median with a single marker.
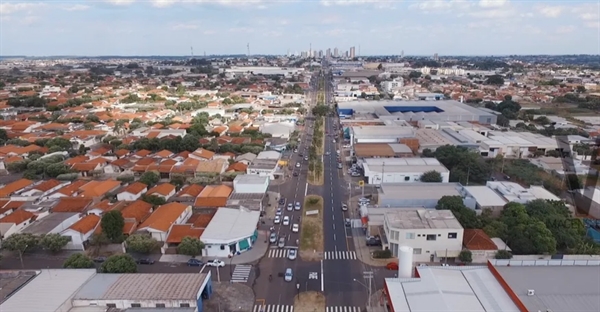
(54, 242)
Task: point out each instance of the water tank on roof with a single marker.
(405, 262)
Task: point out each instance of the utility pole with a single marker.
(368, 275)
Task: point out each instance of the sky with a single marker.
(379, 27)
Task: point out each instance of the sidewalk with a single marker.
(363, 253)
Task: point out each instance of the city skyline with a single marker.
(221, 27)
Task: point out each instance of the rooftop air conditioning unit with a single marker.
(530, 292)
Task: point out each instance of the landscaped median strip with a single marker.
(311, 229)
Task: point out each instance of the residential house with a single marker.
(179, 231)
(134, 214)
(40, 190)
(165, 191)
(246, 159)
(163, 218)
(53, 223)
(202, 154)
(15, 222)
(69, 190)
(105, 206)
(212, 167)
(213, 196)
(72, 204)
(12, 188)
(80, 232)
(98, 189)
(188, 193)
(482, 247)
(132, 192)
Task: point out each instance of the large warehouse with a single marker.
(447, 110)
(401, 170)
(501, 286)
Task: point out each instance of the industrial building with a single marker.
(230, 232)
(62, 290)
(401, 170)
(416, 194)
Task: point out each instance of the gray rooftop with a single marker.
(231, 224)
(49, 223)
(556, 288)
(410, 219)
(160, 286)
(249, 179)
(419, 190)
(263, 164)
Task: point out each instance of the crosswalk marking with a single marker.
(241, 273)
(343, 309)
(340, 255)
(273, 308)
(278, 253)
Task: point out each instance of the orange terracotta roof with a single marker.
(106, 206)
(179, 231)
(98, 188)
(129, 227)
(134, 188)
(203, 153)
(164, 154)
(238, 167)
(216, 191)
(121, 152)
(143, 153)
(84, 167)
(10, 188)
(476, 239)
(86, 224)
(164, 216)
(120, 162)
(192, 190)
(137, 210)
(145, 161)
(168, 162)
(72, 204)
(47, 185)
(162, 189)
(201, 220)
(72, 188)
(17, 217)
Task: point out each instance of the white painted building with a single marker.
(231, 231)
(132, 192)
(250, 184)
(393, 85)
(81, 231)
(401, 170)
(433, 234)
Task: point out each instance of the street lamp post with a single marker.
(368, 291)
(298, 290)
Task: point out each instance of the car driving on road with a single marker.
(290, 207)
(288, 275)
(286, 220)
(292, 254)
(215, 263)
(281, 243)
(273, 238)
(194, 262)
(297, 206)
(344, 207)
(295, 228)
(277, 220)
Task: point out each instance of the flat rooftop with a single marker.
(418, 190)
(564, 288)
(449, 289)
(422, 219)
(230, 224)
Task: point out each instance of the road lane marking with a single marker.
(333, 226)
(322, 279)
(334, 237)
(306, 189)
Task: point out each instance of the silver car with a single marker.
(281, 243)
(292, 254)
(273, 238)
(288, 276)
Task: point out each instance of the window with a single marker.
(406, 178)
(111, 305)
(417, 251)
(452, 235)
(431, 237)
(410, 235)
(184, 305)
(136, 305)
(160, 305)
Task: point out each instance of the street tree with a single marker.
(190, 246)
(112, 224)
(465, 256)
(78, 261)
(54, 242)
(320, 110)
(149, 178)
(20, 243)
(465, 216)
(431, 176)
(141, 243)
(526, 235)
(122, 263)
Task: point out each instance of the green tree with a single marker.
(149, 178)
(465, 256)
(141, 243)
(78, 261)
(122, 263)
(320, 110)
(20, 243)
(465, 165)
(467, 217)
(112, 224)
(54, 242)
(190, 246)
(526, 235)
(503, 254)
(431, 176)
(154, 200)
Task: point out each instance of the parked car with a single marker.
(277, 220)
(286, 220)
(145, 261)
(281, 243)
(295, 173)
(282, 201)
(297, 206)
(279, 212)
(344, 207)
(216, 263)
(292, 254)
(297, 165)
(288, 275)
(273, 238)
(355, 174)
(327, 153)
(306, 158)
(339, 166)
(295, 228)
(194, 262)
(347, 222)
(290, 206)
(373, 242)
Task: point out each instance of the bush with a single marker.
(78, 261)
(382, 254)
(503, 254)
(465, 256)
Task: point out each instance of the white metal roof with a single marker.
(231, 224)
(449, 289)
(48, 291)
(485, 196)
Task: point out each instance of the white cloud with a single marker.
(565, 29)
(492, 3)
(28, 20)
(551, 11)
(77, 7)
(163, 3)
(441, 5)
(120, 2)
(348, 2)
(183, 26)
(9, 8)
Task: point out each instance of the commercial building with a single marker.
(432, 234)
(424, 195)
(249, 192)
(401, 170)
(230, 232)
(266, 164)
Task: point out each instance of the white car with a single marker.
(292, 254)
(297, 206)
(344, 207)
(286, 220)
(290, 207)
(216, 263)
(277, 220)
(295, 228)
(278, 212)
(298, 165)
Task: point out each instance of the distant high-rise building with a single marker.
(347, 54)
(336, 53)
(435, 57)
(320, 53)
(352, 52)
(402, 54)
(328, 52)
(304, 54)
